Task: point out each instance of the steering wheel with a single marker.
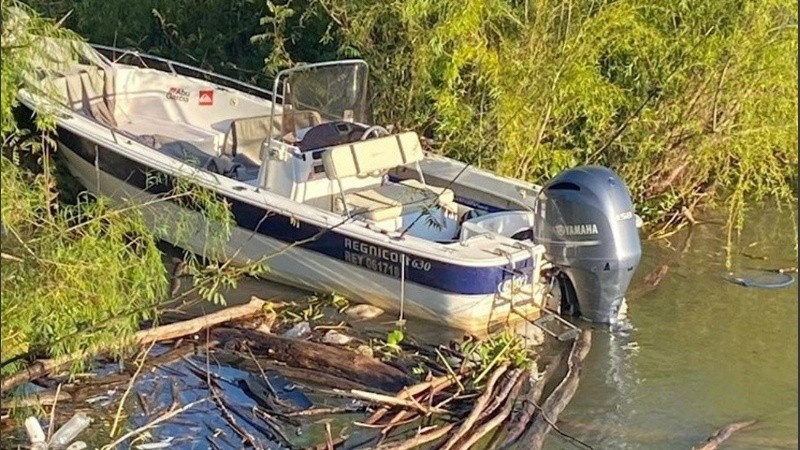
(374, 129)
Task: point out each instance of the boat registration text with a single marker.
(380, 259)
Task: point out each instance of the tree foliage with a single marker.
(74, 277)
(82, 276)
(684, 99)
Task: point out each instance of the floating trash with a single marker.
(363, 312)
(760, 278)
(336, 338)
(298, 331)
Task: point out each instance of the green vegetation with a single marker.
(80, 276)
(683, 99)
(74, 276)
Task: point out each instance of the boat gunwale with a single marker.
(475, 255)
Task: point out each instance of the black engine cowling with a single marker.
(585, 220)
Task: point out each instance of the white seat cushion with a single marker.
(363, 158)
(390, 201)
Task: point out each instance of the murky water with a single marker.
(697, 352)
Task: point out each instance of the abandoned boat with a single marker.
(337, 203)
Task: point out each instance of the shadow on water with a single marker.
(697, 352)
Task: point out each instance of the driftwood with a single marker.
(723, 434)
(298, 374)
(435, 385)
(480, 405)
(520, 422)
(323, 358)
(419, 439)
(429, 389)
(509, 389)
(560, 397)
(388, 400)
(516, 384)
(162, 333)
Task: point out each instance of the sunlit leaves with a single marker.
(530, 88)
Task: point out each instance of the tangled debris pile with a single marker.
(269, 379)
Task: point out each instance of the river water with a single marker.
(697, 352)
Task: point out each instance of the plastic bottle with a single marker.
(70, 430)
(34, 429)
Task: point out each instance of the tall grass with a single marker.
(690, 102)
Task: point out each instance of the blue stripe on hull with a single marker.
(435, 274)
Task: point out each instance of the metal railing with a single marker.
(143, 60)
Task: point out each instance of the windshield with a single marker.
(325, 92)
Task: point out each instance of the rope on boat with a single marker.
(401, 320)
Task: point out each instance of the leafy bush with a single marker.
(75, 277)
(238, 38)
(682, 99)
(82, 276)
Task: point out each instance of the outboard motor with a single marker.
(585, 220)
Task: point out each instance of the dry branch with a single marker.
(510, 384)
(162, 333)
(434, 386)
(163, 418)
(187, 327)
(388, 400)
(477, 409)
(723, 434)
(419, 439)
(521, 422)
(494, 422)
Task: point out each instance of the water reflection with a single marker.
(696, 352)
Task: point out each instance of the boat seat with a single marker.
(391, 201)
(90, 90)
(371, 158)
(246, 135)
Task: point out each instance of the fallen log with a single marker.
(560, 397)
(323, 358)
(163, 333)
(723, 434)
(38, 399)
(301, 375)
